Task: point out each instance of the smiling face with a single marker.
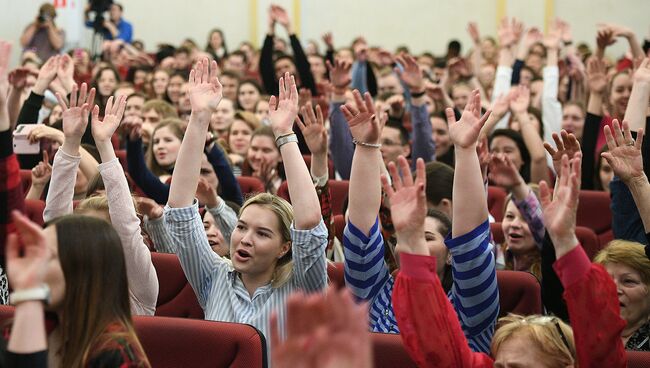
(620, 94)
(248, 96)
(633, 294)
(573, 120)
(106, 83)
(440, 135)
(256, 243)
(263, 149)
(165, 146)
(516, 231)
(392, 146)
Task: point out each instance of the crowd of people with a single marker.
(144, 150)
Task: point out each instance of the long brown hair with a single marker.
(177, 127)
(96, 289)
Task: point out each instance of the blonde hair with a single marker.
(98, 203)
(284, 213)
(627, 253)
(550, 335)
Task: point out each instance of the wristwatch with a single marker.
(41, 292)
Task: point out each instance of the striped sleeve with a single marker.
(475, 294)
(199, 262)
(226, 219)
(366, 271)
(309, 264)
(531, 210)
(157, 231)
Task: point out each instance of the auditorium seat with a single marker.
(595, 213)
(339, 226)
(176, 297)
(330, 165)
(638, 359)
(519, 293)
(34, 210)
(121, 156)
(338, 191)
(26, 179)
(389, 351)
(496, 198)
(335, 274)
(250, 185)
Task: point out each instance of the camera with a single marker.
(42, 18)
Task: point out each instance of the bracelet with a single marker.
(417, 94)
(364, 144)
(284, 139)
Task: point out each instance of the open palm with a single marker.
(560, 212)
(205, 89)
(104, 130)
(624, 153)
(365, 125)
(503, 172)
(464, 132)
(408, 205)
(313, 129)
(566, 144)
(284, 109)
(75, 117)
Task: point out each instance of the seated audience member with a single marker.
(222, 118)
(42, 35)
(159, 84)
(153, 112)
(230, 84)
(176, 81)
(264, 160)
(239, 138)
(275, 248)
(248, 94)
(367, 274)
(237, 62)
(216, 45)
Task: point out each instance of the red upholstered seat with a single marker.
(519, 293)
(389, 351)
(330, 165)
(121, 156)
(176, 297)
(34, 210)
(594, 212)
(26, 179)
(250, 185)
(335, 274)
(496, 198)
(638, 359)
(338, 190)
(339, 226)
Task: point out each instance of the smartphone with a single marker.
(22, 145)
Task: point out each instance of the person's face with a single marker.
(440, 135)
(573, 120)
(216, 41)
(505, 145)
(222, 117)
(391, 145)
(182, 60)
(134, 106)
(248, 96)
(174, 88)
(516, 231)
(239, 138)
(80, 184)
(620, 94)
(207, 172)
(165, 146)
(345, 55)
(633, 293)
(279, 45)
(518, 351)
(282, 66)
(160, 82)
(106, 83)
(605, 174)
(184, 104)
(460, 96)
(535, 61)
(139, 78)
(256, 244)
(229, 86)
(436, 243)
(317, 67)
(262, 149)
(115, 13)
(525, 77)
(262, 110)
(236, 63)
(56, 114)
(123, 91)
(54, 277)
(389, 84)
(215, 237)
(486, 75)
(488, 49)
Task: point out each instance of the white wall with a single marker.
(420, 24)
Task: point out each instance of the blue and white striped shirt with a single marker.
(220, 291)
(474, 294)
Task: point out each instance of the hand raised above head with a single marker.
(412, 73)
(284, 108)
(339, 73)
(205, 90)
(624, 153)
(75, 117)
(313, 129)
(464, 133)
(365, 124)
(104, 130)
(566, 144)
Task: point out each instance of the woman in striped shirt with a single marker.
(275, 248)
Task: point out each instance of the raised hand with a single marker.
(313, 129)
(205, 89)
(42, 131)
(281, 16)
(506, 33)
(412, 73)
(27, 254)
(46, 75)
(520, 99)
(624, 153)
(18, 78)
(284, 109)
(642, 73)
(365, 124)
(339, 74)
(65, 72)
(567, 144)
(75, 117)
(132, 127)
(617, 30)
(532, 36)
(206, 194)
(501, 105)
(464, 133)
(553, 38)
(104, 130)
(604, 38)
(328, 39)
(504, 173)
(565, 30)
(42, 172)
(560, 212)
(596, 75)
(472, 29)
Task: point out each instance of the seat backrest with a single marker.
(589, 240)
(330, 164)
(496, 198)
(336, 274)
(519, 293)
(338, 191)
(121, 156)
(26, 179)
(339, 226)
(389, 351)
(638, 359)
(181, 342)
(176, 297)
(34, 210)
(595, 213)
(250, 185)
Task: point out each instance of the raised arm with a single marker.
(143, 283)
(551, 107)
(340, 143)
(40, 177)
(66, 160)
(469, 197)
(282, 112)
(637, 106)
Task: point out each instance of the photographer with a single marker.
(113, 28)
(42, 35)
